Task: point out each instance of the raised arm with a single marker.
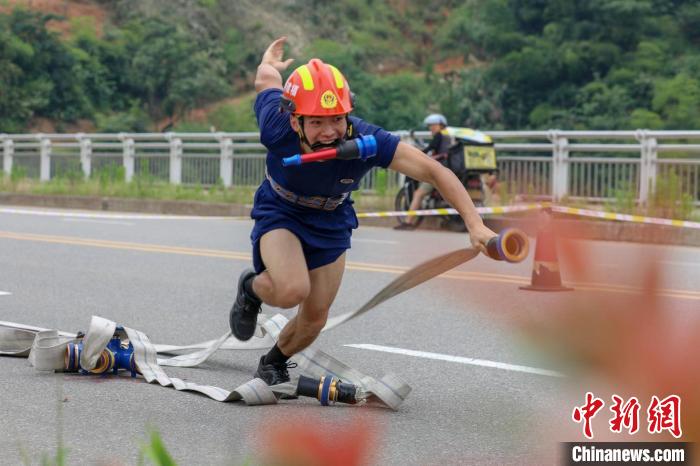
(268, 75)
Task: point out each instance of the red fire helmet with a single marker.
(317, 89)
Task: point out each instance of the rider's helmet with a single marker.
(317, 89)
(435, 119)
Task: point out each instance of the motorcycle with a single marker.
(471, 158)
(471, 181)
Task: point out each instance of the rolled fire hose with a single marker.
(46, 348)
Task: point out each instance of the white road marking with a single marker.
(51, 213)
(685, 264)
(668, 262)
(5, 293)
(106, 222)
(367, 240)
(459, 359)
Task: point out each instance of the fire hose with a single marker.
(107, 347)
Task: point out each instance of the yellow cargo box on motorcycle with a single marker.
(472, 150)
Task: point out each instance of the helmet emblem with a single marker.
(329, 100)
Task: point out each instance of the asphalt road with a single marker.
(174, 279)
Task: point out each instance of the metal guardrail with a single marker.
(623, 160)
(232, 159)
(553, 164)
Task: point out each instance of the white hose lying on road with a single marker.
(46, 348)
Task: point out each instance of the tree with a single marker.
(677, 100)
(19, 96)
(170, 72)
(39, 75)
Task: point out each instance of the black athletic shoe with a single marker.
(244, 313)
(274, 374)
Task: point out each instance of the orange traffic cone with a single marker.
(545, 267)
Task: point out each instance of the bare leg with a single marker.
(418, 196)
(285, 282)
(303, 329)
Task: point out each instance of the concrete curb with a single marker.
(576, 227)
(116, 204)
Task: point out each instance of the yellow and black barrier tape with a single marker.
(537, 206)
(449, 211)
(624, 217)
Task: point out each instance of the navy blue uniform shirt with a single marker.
(324, 235)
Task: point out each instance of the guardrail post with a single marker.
(652, 154)
(8, 151)
(560, 166)
(129, 153)
(647, 166)
(85, 154)
(175, 160)
(44, 159)
(226, 161)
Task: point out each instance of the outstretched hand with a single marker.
(480, 236)
(274, 54)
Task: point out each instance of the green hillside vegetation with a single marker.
(492, 64)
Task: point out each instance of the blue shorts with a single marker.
(324, 235)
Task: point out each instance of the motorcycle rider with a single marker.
(438, 147)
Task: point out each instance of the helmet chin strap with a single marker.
(302, 135)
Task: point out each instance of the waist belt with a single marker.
(315, 202)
